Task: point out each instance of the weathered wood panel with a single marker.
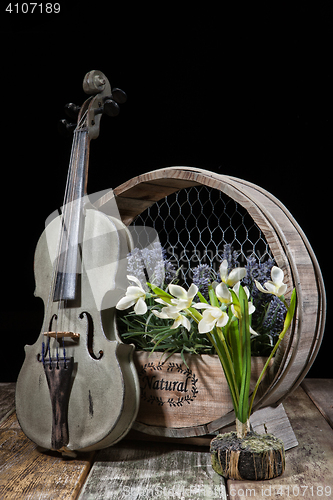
(274, 421)
(308, 466)
(320, 391)
(28, 474)
(141, 471)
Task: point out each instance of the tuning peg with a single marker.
(110, 107)
(65, 128)
(119, 96)
(72, 110)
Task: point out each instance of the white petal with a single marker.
(181, 304)
(125, 303)
(186, 323)
(192, 291)
(223, 320)
(253, 332)
(140, 307)
(251, 308)
(178, 291)
(270, 287)
(224, 270)
(135, 292)
(215, 312)
(236, 275)
(236, 289)
(260, 288)
(161, 301)
(133, 278)
(222, 293)
(171, 312)
(160, 314)
(277, 275)
(201, 305)
(281, 290)
(205, 327)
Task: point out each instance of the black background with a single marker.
(244, 91)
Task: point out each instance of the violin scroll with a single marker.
(106, 101)
(95, 82)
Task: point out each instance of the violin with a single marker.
(78, 388)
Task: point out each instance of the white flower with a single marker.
(234, 276)
(251, 307)
(134, 295)
(223, 294)
(183, 298)
(276, 286)
(172, 312)
(211, 316)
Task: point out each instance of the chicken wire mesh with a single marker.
(194, 225)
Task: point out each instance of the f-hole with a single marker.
(90, 336)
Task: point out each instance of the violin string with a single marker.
(57, 259)
(46, 327)
(67, 218)
(68, 194)
(66, 224)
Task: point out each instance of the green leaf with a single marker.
(214, 301)
(161, 293)
(244, 329)
(202, 298)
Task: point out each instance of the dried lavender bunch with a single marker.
(203, 275)
(154, 263)
(230, 255)
(136, 267)
(274, 317)
(256, 270)
(150, 264)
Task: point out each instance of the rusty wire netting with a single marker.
(195, 223)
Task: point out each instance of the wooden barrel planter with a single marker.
(290, 249)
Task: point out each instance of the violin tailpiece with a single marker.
(59, 374)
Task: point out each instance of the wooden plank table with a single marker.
(141, 469)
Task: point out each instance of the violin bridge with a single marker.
(60, 335)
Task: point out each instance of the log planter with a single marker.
(254, 457)
(289, 247)
(181, 400)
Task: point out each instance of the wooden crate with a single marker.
(289, 247)
(180, 399)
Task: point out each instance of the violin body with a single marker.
(103, 387)
(78, 388)
(104, 390)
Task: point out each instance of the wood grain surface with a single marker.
(26, 473)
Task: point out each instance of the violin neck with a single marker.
(68, 265)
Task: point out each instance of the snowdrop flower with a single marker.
(172, 312)
(212, 316)
(234, 276)
(276, 286)
(223, 294)
(183, 298)
(134, 295)
(251, 307)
